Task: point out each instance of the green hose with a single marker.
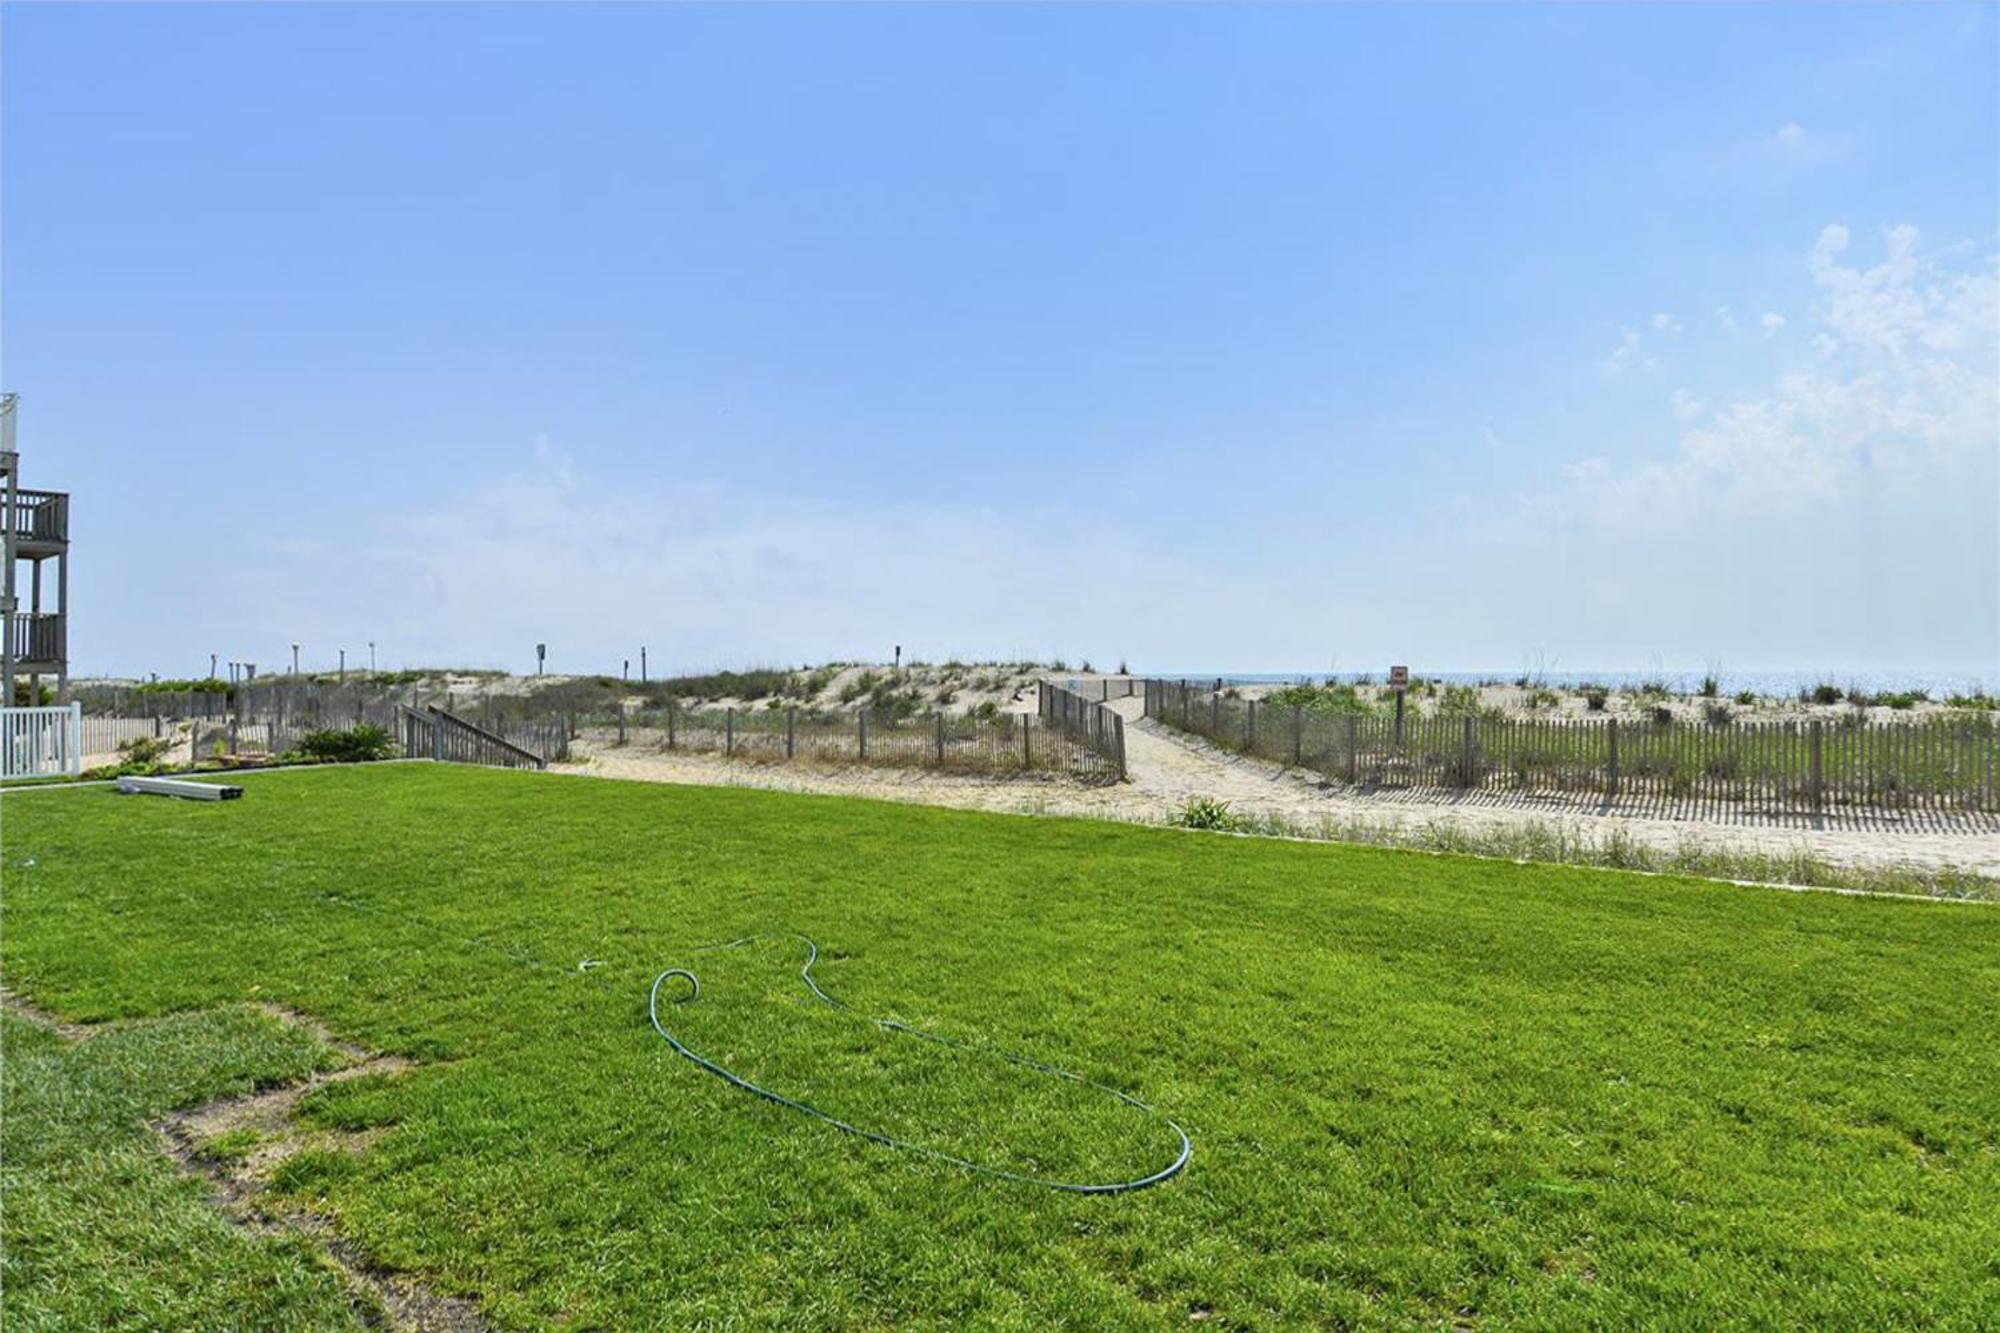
(891, 1025)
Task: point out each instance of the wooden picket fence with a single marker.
(1942, 765)
(1002, 744)
(1086, 720)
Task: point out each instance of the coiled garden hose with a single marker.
(891, 1025)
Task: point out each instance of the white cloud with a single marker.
(1792, 146)
(1667, 324)
(1906, 303)
(1850, 503)
(1771, 323)
(1726, 318)
(1625, 358)
(557, 465)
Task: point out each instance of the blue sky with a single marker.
(1276, 338)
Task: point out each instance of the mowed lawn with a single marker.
(1423, 1091)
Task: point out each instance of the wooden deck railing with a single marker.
(448, 738)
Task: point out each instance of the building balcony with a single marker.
(36, 642)
(38, 523)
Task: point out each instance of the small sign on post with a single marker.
(541, 655)
(1399, 678)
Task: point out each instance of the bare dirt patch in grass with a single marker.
(237, 1143)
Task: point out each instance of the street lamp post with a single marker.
(295, 659)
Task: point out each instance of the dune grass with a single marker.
(1424, 1091)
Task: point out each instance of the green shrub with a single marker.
(143, 749)
(1823, 693)
(1746, 698)
(1205, 812)
(1320, 699)
(351, 745)
(1711, 688)
(140, 757)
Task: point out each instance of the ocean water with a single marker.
(1938, 684)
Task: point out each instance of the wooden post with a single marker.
(670, 724)
(1250, 728)
(1465, 752)
(791, 730)
(729, 731)
(1298, 733)
(1399, 719)
(940, 739)
(861, 731)
(1611, 760)
(1353, 739)
(1027, 756)
(1818, 774)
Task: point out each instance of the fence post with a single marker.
(791, 730)
(1818, 774)
(1027, 756)
(1119, 729)
(621, 721)
(1298, 733)
(1353, 737)
(861, 731)
(1611, 760)
(729, 731)
(1465, 771)
(670, 724)
(1250, 728)
(940, 739)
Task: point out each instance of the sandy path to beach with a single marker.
(1167, 769)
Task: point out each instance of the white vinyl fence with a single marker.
(41, 742)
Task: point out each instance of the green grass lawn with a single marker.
(1424, 1091)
